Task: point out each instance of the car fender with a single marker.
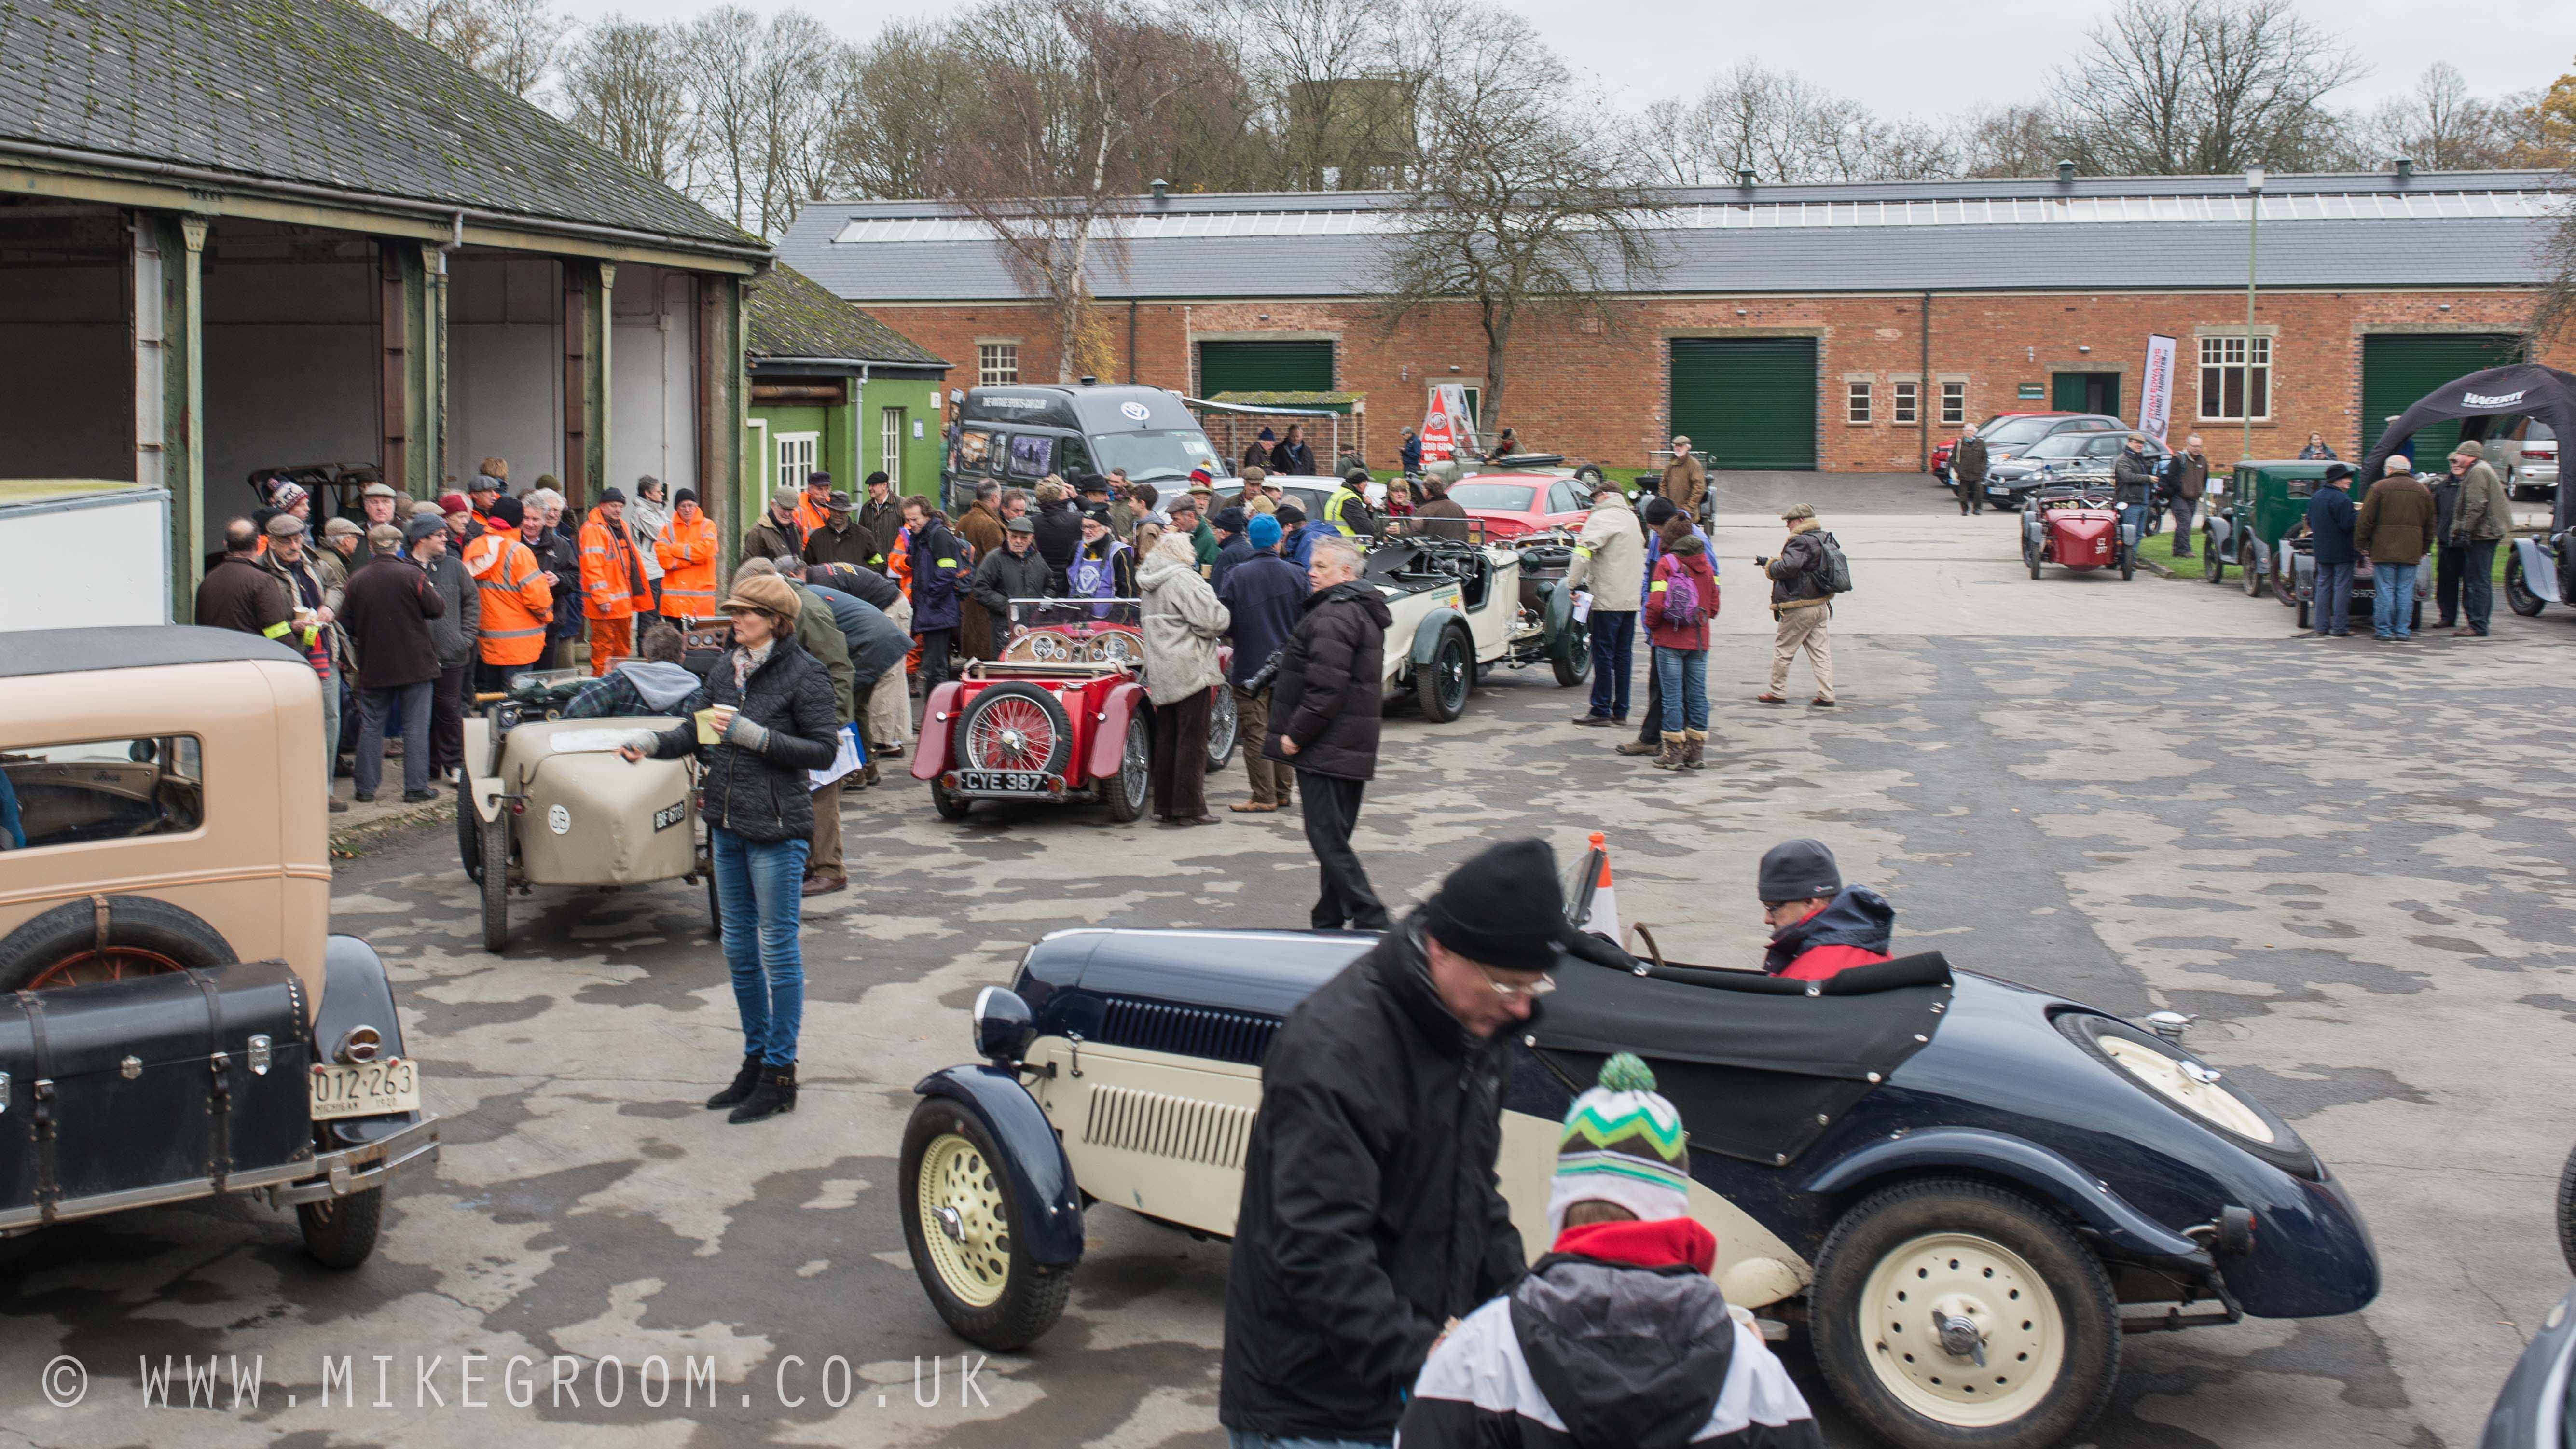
(1109, 732)
(356, 991)
(1039, 1175)
(2539, 570)
(2219, 530)
(1564, 637)
(1426, 635)
(938, 719)
(1994, 1154)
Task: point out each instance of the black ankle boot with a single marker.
(743, 1083)
(775, 1094)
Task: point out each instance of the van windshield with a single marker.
(1154, 457)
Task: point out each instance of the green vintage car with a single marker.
(2247, 518)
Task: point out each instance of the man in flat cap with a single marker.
(1370, 1216)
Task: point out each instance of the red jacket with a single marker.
(1852, 929)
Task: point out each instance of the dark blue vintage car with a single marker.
(1966, 1190)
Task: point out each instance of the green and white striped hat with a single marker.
(1624, 1144)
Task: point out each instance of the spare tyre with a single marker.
(107, 938)
(1016, 726)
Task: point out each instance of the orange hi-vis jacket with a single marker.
(687, 551)
(810, 515)
(518, 598)
(610, 574)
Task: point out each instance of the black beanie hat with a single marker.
(1504, 908)
(1795, 870)
(1658, 508)
(508, 510)
(685, 495)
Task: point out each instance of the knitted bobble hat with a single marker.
(1622, 1144)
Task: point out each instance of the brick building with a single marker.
(1841, 327)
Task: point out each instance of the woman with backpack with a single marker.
(1681, 598)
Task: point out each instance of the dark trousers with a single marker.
(1650, 730)
(495, 678)
(2183, 509)
(1972, 496)
(2477, 583)
(2450, 561)
(934, 657)
(1180, 757)
(1332, 810)
(406, 708)
(1614, 640)
(1270, 779)
(2330, 611)
(447, 718)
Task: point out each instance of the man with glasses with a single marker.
(1370, 1218)
(1819, 925)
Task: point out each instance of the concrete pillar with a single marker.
(724, 407)
(168, 313)
(397, 316)
(425, 369)
(589, 291)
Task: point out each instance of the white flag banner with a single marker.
(1447, 431)
(2155, 399)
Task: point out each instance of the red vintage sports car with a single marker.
(2075, 527)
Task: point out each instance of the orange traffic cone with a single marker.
(1603, 915)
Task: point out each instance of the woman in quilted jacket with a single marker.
(1681, 598)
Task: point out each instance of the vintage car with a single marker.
(176, 1021)
(2295, 564)
(1965, 1189)
(2060, 458)
(2540, 570)
(2074, 526)
(1459, 608)
(546, 801)
(2246, 517)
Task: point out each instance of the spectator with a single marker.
(1685, 479)
(1016, 570)
(1103, 568)
(1324, 725)
(2330, 522)
(1408, 452)
(1802, 607)
(612, 582)
(1263, 594)
(1233, 543)
(1556, 1360)
(2133, 479)
(518, 598)
(647, 514)
(1819, 926)
(840, 539)
(1188, 522)
(818, 633)
(486, 489)
(1610, 557)
(777, 534)
(2483, 519)
(1132, 504)
(1656, 512)
(2395, 528)
(1293, 456)
(2316, 449)
(1253, 500)
(239, 594)
(1680, 601)
(1296, 540)
(1097, 493)
(540, 529)
(938, 571)
(880, 518)
(1968, 471)
(981, 527)
(462, 526)
(1399, 497)
(813, 509)
(1059, 530)
(886, 710)
(377, 501)
(1181, 621)
(452, 633)
(2187, 477)
(1370, 1217)
(687, 551)
(316, 604)
(1346, 507)
(337, 558)
(1506, 443)
(771, 710)
(2448, 559)
(876, 646)
(1015, 504)
(653, 681)
(1256, 454)
(1440, 515)
(390, 605)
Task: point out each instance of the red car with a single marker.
(2076, 528)
(1512, 504)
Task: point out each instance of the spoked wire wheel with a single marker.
(94, 967)
(1015, 727)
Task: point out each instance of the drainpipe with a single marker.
(1131, 339)
(436, 324)
(859, 430)
(1923, 392)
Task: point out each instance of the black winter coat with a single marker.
(866, 585)
(2133, 476)
(1003, 576)
(765, 797)
(1329, 689)
(1059, 526)
(1371, 1214)
(1794, 572)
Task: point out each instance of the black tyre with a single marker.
(1014, 726)
(66, 946)
(341, 1232)
(2213, 565)
(2128, 562)
(2030, 553)
(2517, 589)
(1124, 791)
(949, 804)
(1441, 686)
(1920, 1281)
(1589, 473)
(469, 830)
(1575, 666)
(2249, 562)
(962, 1227)
(2303, 613)
(1225, 727)
(2567, 1211)
(496, 884)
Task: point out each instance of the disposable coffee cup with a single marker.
(706, 719)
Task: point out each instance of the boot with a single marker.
(775, 1094)
(1693, 742)
(743, 1082)
(1671, 758)
(1637, 747)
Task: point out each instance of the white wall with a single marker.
(79, 561)
(505, 365)
(293, 367)
(66, 373)
(653, 381)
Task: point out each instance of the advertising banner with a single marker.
(2155, 399)
(1447, 430)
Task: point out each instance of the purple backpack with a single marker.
(1683, 608)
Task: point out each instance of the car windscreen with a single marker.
(1157, 457)
(1502, 497)
(2058, 445)
(2021, 430)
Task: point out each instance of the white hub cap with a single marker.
(1961, 1330)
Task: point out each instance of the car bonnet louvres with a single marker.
(1190, 1031)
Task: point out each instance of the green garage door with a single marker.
(2397, 370)
(1265, 367)
(1747, 402)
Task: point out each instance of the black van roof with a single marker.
(1098, 408)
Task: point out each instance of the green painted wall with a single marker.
(852, 441)
(919, 456)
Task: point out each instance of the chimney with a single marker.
(1160, 187)
(2405, 169)
(1744, 178)
(2065, 173)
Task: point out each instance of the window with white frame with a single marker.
(2235, 378)
(1902, 401)
(890, 424)
(796, 457)
(1856, 400)
(997, 363)
(1954, 404)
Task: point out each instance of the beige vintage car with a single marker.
(181, 1024)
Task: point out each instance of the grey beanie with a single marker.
(1795, 870)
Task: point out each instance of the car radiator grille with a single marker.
(1189, 1031)
(1163, 1125)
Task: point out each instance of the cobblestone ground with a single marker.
(2352, 860)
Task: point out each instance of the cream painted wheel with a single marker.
(1961, 1330)
(965, 1225)
(961, 1224)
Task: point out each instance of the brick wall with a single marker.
(1599, 393)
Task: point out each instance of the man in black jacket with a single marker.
(2133, 481)
(880, 518)
(1370, 1217)
(1059, 526)
(1016, 570)
(1323, 723)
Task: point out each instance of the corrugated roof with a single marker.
(319, 92)
(792, 315)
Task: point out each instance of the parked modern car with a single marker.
(2525, 456)
(1017, 435)
(1518, 503)
(2006, 434)
(2072, 453)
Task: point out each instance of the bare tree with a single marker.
(627, 85)
(1342, 81)
(2017, 140)
(2200, 87)
(1779, 126)
(764, 101)
(2441, 127)
(903, 95)
(510, 42)
(1521, 206)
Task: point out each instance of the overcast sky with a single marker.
(1905, 58)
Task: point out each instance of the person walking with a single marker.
(1293, 456)
(840, 539)
(1681, 599)
(1324, 725)
(938, 570)
(1802, 607)
(1264, 596)
(2482, 520)
(880, 518)
(687, 550)
(777, 535)
(1968, 471)
(1181, 622)
(2133, 481)
(316, 604)
(390, 605)
(517, 596)
(2395, 528)
(1370, 1217)
(241, 595)
(452, 633)
(647, 514)
(2316, 449)
(1685, 479)
(2330, 521)
(613, 585)
(770, 709)
(2187, 477)
(1408, 451)
(1610, 559)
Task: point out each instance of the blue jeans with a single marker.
(2331, 610)
(1681, 677)
(2392, 600)
(760, 892)
(2136, 516)
(1614, 638)
(2477, 584)
(408, 704)
(1237, 1439)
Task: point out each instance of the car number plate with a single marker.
(369, 1089)
(1025, 781)
(670, 815)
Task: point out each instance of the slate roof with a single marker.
(321, 92)
(792, 315)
